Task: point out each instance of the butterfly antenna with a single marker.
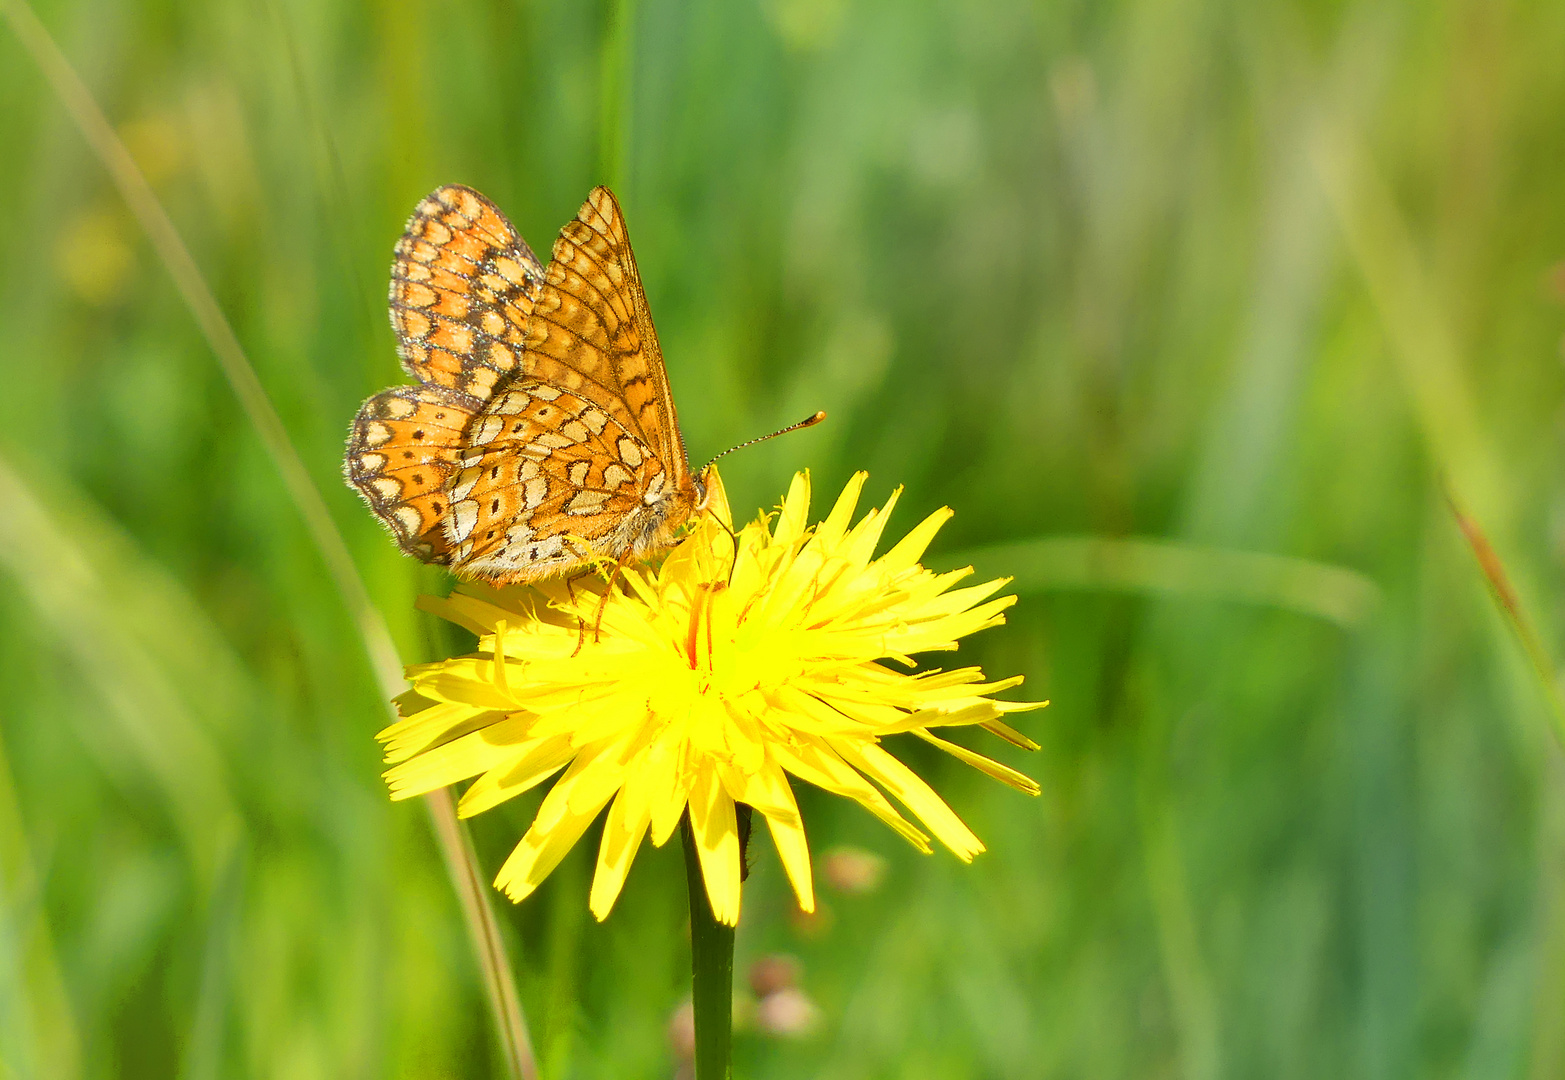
(809, 421)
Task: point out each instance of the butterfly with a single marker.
(541, 437)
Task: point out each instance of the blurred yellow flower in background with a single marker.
(742, 658)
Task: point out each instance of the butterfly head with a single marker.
(705, 486)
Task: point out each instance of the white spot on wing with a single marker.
(409, 519)
(487, 429)
(464, 515)
(464, 483)
(586, 502)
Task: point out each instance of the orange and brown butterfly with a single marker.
(541, 437)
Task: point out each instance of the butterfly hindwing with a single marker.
(462, 286)
(403, 448)
(549, 480)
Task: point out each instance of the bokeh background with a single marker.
(1193, 310)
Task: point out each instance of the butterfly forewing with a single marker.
(462, 287)
(592, 317)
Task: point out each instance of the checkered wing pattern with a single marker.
(543, 436)
(550, 481)
(591, 330)
(581, 458)
(462, 287)
(405, 444)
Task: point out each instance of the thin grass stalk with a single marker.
(376, 638)
(1511, 610)
(56, 1046)
(462, 864)
(1426, 354)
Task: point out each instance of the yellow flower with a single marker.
(737, 661)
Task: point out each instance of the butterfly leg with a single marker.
(603, 603)
(732, 536)
(570, 591)
(570, 584)
(581, 624)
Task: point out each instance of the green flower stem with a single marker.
(711, 963)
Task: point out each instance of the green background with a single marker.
(1143, 289)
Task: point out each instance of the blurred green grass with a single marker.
(1198, 281)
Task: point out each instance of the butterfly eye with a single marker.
(703, 492)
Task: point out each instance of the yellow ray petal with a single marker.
(623, 829)
(717, 842)
(543, 759)
(717, 500)
(863, 538)
(907, 551)
(815, 762)
(979, 712)
(466, 681)
(1003, 773)
(668, 786)
(913, 793)
(766, 789)
(795, 510)
(1010, 734)
(470, 614)
(440, 723)
(829, 533)
(554, 831)
(468, 756)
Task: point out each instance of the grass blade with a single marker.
(376, 638)
(1511, 609)
(1139, 564)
